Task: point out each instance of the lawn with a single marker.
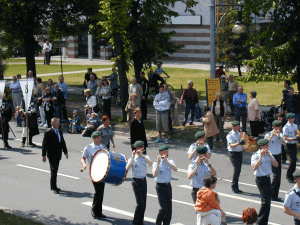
(268, 92)
(7, 218)
(15, 69)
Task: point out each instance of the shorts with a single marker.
(162, 122)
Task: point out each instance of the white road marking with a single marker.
(237, 197)
(246, 184)
(47, 171)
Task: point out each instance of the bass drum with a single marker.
(108, 167)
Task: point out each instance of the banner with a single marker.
(27, 86)
(2, 87)
(212, 87)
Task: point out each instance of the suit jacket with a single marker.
(60, 98)
(51, 145)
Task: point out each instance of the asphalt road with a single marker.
(25, 186)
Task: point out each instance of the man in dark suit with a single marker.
(58, 101)
(53, 145)
(145, 85)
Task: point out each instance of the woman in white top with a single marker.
(253, 112)
(90, 99)
(106, 97)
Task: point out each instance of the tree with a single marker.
(276, 45)
(24, 20)
(233, 48)
(3, 56)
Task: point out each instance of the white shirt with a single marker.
(265, 168)
(164, 171)
(162, 102)
(233, 138)
(274, 144)
(139, 166)
(290, 130)
(192, 148)
(90, 150)
(47, 46)
(91, 101)
(202, 171)
(292, 200)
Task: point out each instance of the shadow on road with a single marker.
(73, 194)
(20, 150)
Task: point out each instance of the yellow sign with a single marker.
(212, 87)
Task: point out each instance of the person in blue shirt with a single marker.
(239, 101)
(64, 88)
(17, 95)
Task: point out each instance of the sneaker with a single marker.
(167, 141)
(191, 124)
(41, 125)
(183, 124)
(158, 140)
(46, 126)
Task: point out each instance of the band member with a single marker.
(88, 153)
(234, 146)
(291, 204)
(275, 138)
(53, 145)
(32, 123)
(5, 117)
(162, 175)
(290, 135)
(201, 138)
(138, 163)
(199, 169)
(261, 162)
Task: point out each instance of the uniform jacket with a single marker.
(51, 145)
(210, 126)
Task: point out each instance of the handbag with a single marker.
(198, 112)
(96, 109)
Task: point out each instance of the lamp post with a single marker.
(238, 28)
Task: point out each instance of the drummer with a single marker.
(234, 146)
(261, 162)
(88, 153)
(162, 175)
(201, 138)
(199, 169)
(138, 163)
(276, 140)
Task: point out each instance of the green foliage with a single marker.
(276, 45)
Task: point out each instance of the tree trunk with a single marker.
(298, 77)
(1, 70)
(239, 69)
(29, 46)
(138, 66)
(122, 68)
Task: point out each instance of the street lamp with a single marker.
(238, 28)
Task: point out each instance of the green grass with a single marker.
(43, 69)
(7, 218)
(16, 60)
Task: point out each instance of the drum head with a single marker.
(99, 165)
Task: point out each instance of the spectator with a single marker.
(113, 78)
(106, 131)
(232, 89)
(17, 95)
(89, 128)
(145, 85)
(162, 105)
(159, 70)
(219, 111)
(224, 89)
(41, 106)
(191, 99)
(58, 101)
(99, 96)
(130, 107)
(137, 130)
(50, 85)
(239, 101)
(18, 116)
(93, 120)
(136, 88)
(173, 101)
(295, 104)
(253, 112)
(106, 98)
(19, 77)
(92, 84)
(285, 95)
(157, 77)
(210, 126)
(153, 80)
(87, 77)
(64, 88)
(220, 72)
(208, 203)
(47, 47)
(75, 122)
(30, 75)
(48, 105)
(37, 89)
(249, 216)
(91, 101)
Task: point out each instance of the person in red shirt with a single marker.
(191, 99)
(220, 72)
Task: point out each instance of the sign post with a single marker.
(60, 45)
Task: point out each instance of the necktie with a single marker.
(58, 135)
